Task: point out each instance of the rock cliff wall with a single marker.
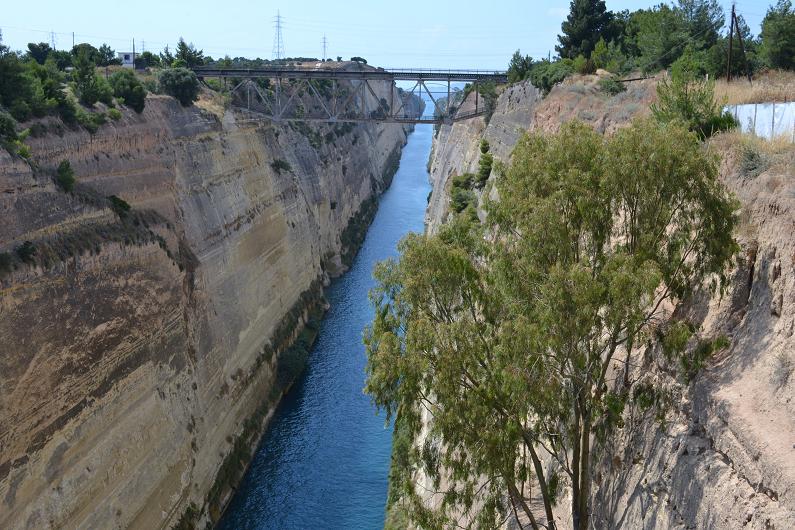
(140, 348)
(723, 458)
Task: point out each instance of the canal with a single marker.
(324, 461)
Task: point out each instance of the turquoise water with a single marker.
(323, 462)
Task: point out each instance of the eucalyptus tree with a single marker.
(494, 343)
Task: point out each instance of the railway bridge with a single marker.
(365, 94)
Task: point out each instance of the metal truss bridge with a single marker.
(349, 95)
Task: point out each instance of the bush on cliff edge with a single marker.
(180, 83)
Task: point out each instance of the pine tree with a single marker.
(586, 22)
(189, 54)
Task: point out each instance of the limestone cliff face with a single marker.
(138, 349)
(725, 456)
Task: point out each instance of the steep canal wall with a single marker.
(169, 299)
(723, 455)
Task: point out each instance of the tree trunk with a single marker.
(581, 474)
(575, 471)
(542, 483)
(583, 514)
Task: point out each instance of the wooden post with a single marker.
(742, 47)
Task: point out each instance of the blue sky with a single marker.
(405, 33)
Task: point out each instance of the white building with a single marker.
(126, 59)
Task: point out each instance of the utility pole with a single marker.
(325, 43)
(73, 39)
(52, 39)
(133, 55)
(278, 43)
(729, 58)
(742, 47)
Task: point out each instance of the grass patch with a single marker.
(771, 86)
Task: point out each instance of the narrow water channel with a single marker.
(323, 462)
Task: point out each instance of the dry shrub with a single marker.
(768, 87)
(756, 155)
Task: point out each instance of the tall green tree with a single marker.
(586, 22)
(657, 37)
(499, 351)
(88, 50)
(519, 67)
(189, 54)
(166, 57)
(90, 88)
(106, 56)
(39, 52)
(778, 35)
(704, 20)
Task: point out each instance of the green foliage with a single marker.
(778, 35)
(114, 114)
(180, 83)
(119, 206)
(657, 37)
(39, 52)
(484, 164)
(89, 87)
(147, 60)
(280, 165)
(26, 252)
(62, 59)
(583, 66)
(545, 74)
(106, 56)
(90, 53)
(461, 194)
(686, 96)
(519, 67)
(586, 23)
(703, 21)
(126, 85)
(6, 264)
(91, 121)
(166, 57)
(692, 361)
(8, 127)
(611, 86)
(188, 54)
(504, 343)
(609, 57)
(358, 59)
(65, 176)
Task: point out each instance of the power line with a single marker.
(278, 43)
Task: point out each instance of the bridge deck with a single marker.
(366, 74)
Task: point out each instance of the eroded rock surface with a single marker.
(138, 347)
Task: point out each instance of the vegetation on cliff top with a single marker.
(653, 39)
(507, 343)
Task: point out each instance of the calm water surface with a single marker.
(324, 461)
